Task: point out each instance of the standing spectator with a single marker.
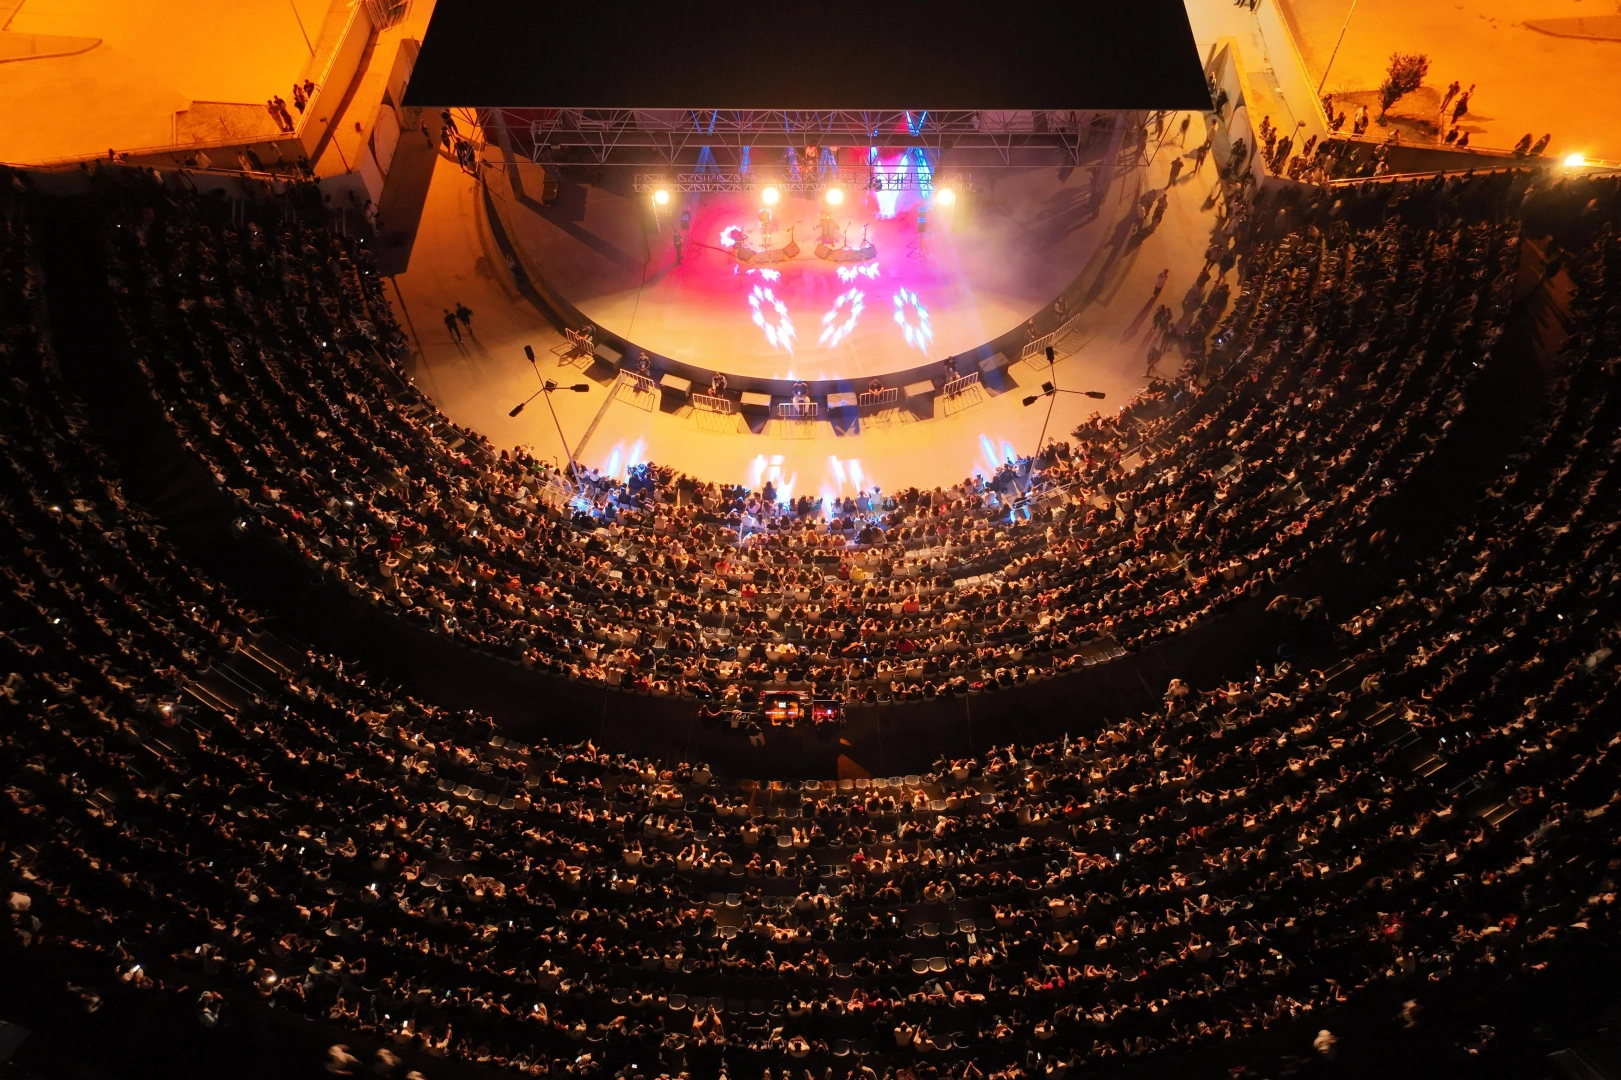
(1176, 170)
(1462, 107)
(464, 315)
(450, 325)
(1159, 282)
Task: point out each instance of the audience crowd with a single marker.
(1335, 368)
(192, 808)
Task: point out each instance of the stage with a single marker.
(866, 292)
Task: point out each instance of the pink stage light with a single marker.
(835, 329)
(771, 316)
(848, 274)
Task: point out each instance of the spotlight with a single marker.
(662, 197)
(945, 197)
(770, 196)
(1574, 161)
(834, 196)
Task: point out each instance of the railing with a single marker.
(639, 384)
(1038, 346)
(961, 383)
(797, 410)
(878, 399)
(712, 403)
(580, 342)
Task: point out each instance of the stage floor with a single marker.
(981, 267)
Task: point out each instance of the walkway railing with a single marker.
(797, 410)
(961, 383)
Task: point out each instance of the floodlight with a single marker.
(1574, 161)
(662, 197)
(945, 197)
(834, 196)
(770, 196)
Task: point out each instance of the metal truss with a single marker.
(852, 177)
(672, 136)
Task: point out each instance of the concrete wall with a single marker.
(1289, 68)
(333, 77)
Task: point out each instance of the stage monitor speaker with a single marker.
(743, 254)
(823, 251)
(791, 251)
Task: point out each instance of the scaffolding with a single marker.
(669, 137)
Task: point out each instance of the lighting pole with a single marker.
(548, 387)
(1338, 42)
(1050, 389)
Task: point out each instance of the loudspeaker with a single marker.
(791, 251)
(823, 251)
(744, 254)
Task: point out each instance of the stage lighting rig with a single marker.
(834, 196)
(770, 195)
(662, 197)
(944, 197)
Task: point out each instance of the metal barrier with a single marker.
(639, 384)
(1038, 346)
(797, 410)
(960, 384)
(878, 399)
(711, 403)
(580, 342)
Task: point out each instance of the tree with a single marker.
(1405, 74)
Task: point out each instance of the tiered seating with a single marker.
(189, 805)
(1341, 364)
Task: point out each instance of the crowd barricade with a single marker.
(798, 410)
(961, 383)
(713, 403)
(871, 400)
(639, 384)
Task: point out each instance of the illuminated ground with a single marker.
(154, 58)
(1526, 80)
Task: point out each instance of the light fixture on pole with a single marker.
(1337, 43)
(1048, 390)
(548, 387)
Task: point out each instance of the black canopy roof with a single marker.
(825, 55)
